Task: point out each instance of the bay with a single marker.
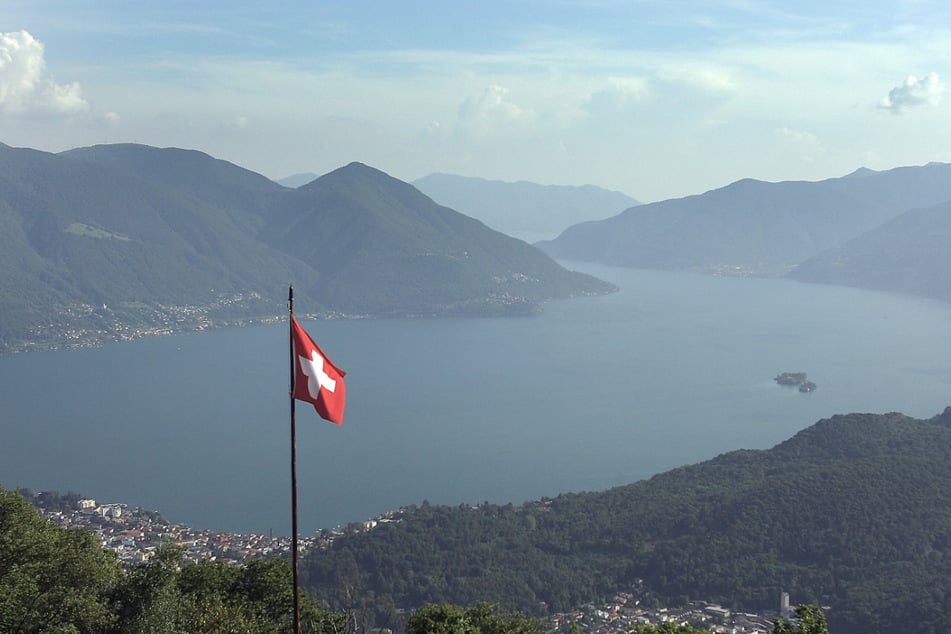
(593, 393)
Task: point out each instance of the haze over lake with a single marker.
(593, 393)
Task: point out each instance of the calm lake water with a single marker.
(595, 392)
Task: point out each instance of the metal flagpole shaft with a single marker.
(290, 307)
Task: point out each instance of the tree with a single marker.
(149, 599)
(163, 597)
(51, 579)
(439, 619)
(266, 588)
(483, 618)
(811, 621)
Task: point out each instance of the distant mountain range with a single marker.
(525, 210)
(296, 180)
(116, 241)
(757, 228)
(113, 241)
(851, 513)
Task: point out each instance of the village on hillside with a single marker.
(135, 535)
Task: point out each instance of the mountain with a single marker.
(192, 173)
(115, 241)
(296, 180)
(753, 227)
(851, 513)
(91, 248)
(908, 254)
(383, 247)
(525, 210)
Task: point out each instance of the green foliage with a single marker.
(483, 618)
(460, 555)
(810, 619)
(62, 581)
(52, 501)
(207, 597)
(853, 512)
(51, 579)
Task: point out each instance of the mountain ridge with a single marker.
(113, 241)
(347, 201)
(907, 254)
(523, 209)
(850, 513)
(752, 227)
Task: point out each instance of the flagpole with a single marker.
(290, 308)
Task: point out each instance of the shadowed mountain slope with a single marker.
(850, 513)
(383, 247)
(908, 254)
(753, 227)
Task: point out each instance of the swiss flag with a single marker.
(316, 379)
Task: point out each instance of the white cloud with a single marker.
(25, 88)
(798, 136)
(914, 92)
(619, 95)
(492, 114)
(706, 77)
(432, 131)
(806, 143)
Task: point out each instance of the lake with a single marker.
(593, 393)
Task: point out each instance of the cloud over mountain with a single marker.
(492, 114)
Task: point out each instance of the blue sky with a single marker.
(658, 99)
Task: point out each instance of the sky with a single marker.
(655, 98)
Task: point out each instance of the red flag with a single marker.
(316, 379)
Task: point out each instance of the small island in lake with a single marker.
(796, 378)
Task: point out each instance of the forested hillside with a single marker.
(752, 227)
(117, 241)
(851, 513)
(383, 248)
(908, 254)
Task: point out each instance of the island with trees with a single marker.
(794, 379)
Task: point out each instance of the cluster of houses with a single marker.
(627, 610)
(134, 535)
(156, 320)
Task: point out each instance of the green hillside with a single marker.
(851, 513)
(243, 194)
(97, 250)
(753, 227)
(908, 254)
(382, 247)
(117, 241)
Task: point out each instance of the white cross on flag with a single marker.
(316, 379)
